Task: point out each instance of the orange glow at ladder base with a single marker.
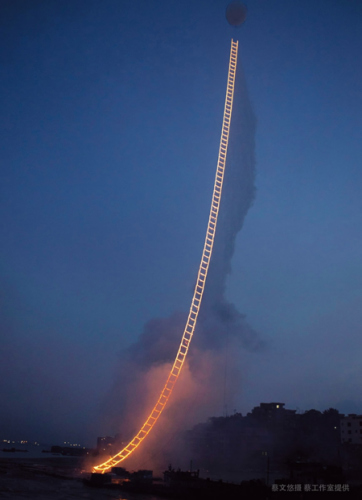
(201, 278)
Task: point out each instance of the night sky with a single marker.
(111, 115)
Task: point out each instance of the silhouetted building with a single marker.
(107, 443)
(104, 443)
(272, 414)
(351, 429)
(270, 436)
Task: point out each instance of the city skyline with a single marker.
(32, 440)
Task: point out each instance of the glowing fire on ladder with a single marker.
(201, 278)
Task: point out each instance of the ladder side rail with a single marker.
(201, 277)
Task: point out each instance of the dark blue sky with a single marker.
(110, 122)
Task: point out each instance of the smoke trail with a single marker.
(220, 319)
(145, 365)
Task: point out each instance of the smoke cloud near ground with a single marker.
(213, 371)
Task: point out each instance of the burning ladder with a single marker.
(201, 277)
